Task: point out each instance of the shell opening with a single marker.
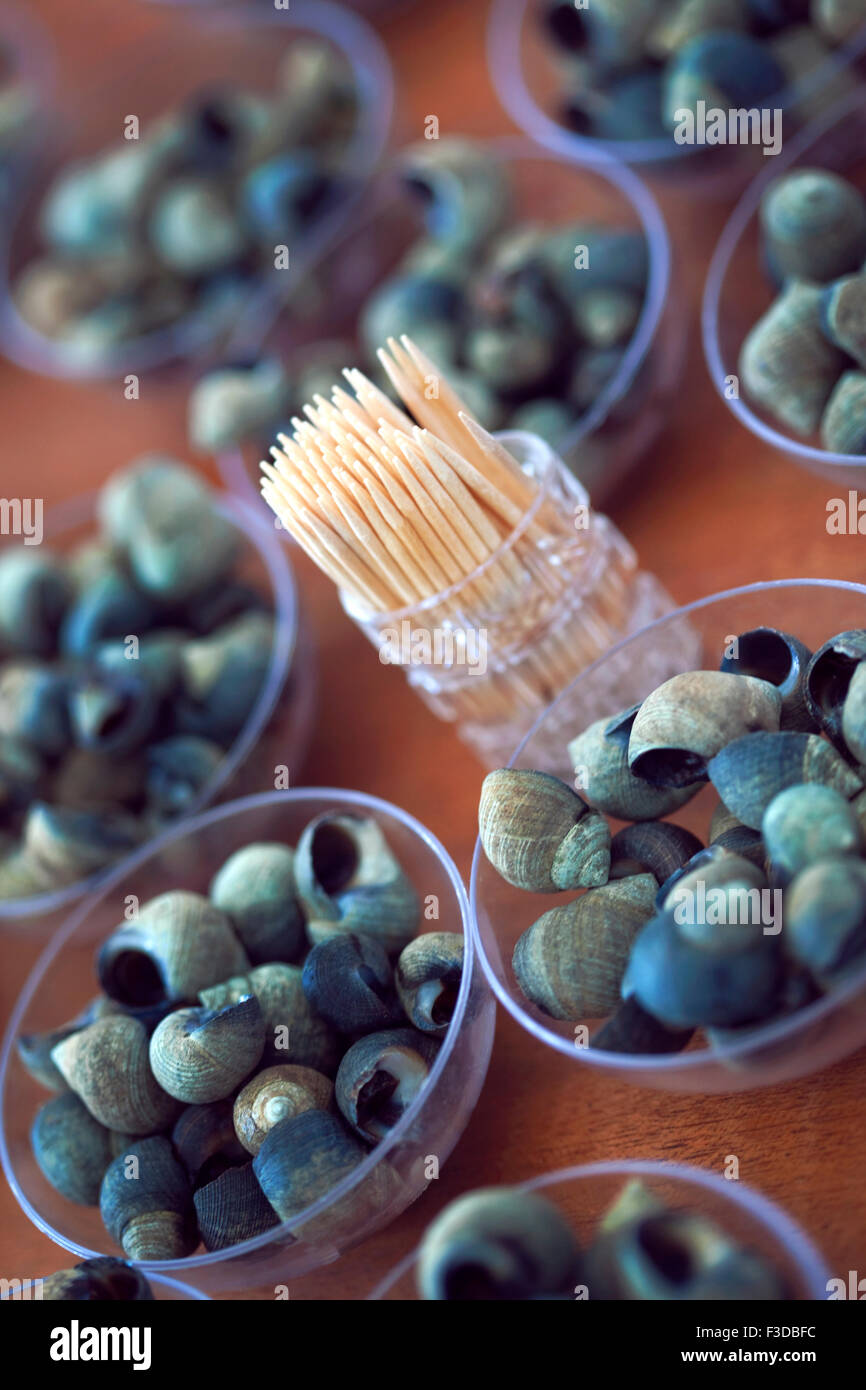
(764, 655)
(670, 767)
(132, 978)
(335, 858)
(669, 1255)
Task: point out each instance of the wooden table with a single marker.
(713, 509)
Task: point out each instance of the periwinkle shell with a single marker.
(100, 1280)
(786, 363)
(380, 1077)
(570, 963)
(200, 1055)
(686, 721)
(843, 424)
(71, 1148)
(256, 888)
(428, 977)
(752, 770)
(303, 1158)
(294, 1032)
(601, 763)
(806, 823)
(814, 225)
(539, 834)
(498, 1243)
(828, 677)
(825, 918)
(106, 1064)
(277, 1094)
(232, 1208)
(348, 979)
(780, 659)
(149, 1211)
(34, 593)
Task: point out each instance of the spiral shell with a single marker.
(825, 918)
(570, 963)
(198, 1055)
(655, 847)
(275, 1094)
(632, 1030)
(601, 763)
(808, 823)
(691, 717)
(350, 881)
(349, 981)
(752, 770)
(146, 1202)
(106, 1064)
(428, 976)
(303, 1158)
(232, 1208)
(204, 1140)
(71, 1148)
(180, 944)
(256, 888)
(781, 660)
(295, 1034)
(380, 1077)
(100, 1280)
(854, 714)
(538, 833)
(498, 1243)
(828, 677)
(34, 593)
(787, 364)
(814, 226)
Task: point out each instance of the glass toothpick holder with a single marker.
(490, 653)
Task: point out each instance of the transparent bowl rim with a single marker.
(637, 195)
(795, 1242)
(683, 1062)
(79, 511)
(505, 65)
(341, 799)
(181, 341)
(726, 247)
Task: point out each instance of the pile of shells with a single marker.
(127, 668)
(804, 362)
(529, 322)
(507, 1243)
(182, 218)
(673, 935)
(630, 69)
(249, 1047)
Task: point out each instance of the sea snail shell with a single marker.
(231, 1208)
(379, 1078)
(808, 823)
(303, 1158)
(349, 881)
(752, 770)
(608, 784)
(198, 1055)
(275, 1094)
(349, 981)
(498, 1243)
(180, 944)
(828, 678)
(538, 833)
(72, 1149)
(256, 888)
(691, 717)
(428, 977)
(570, 963)
(100, 1280)
(781, 660)
(294, 1032)
(107, 1065)
(149, 1210)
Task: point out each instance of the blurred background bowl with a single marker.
(289, 681)
(234, 45)
(584, 1194)
(526, 70)
(737, 291)
(791, 1046)
(605, 445)
(189, 855)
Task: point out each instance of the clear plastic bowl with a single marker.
(63, 980)
(625, 418)
(737, 291)
(528, 80)
(262, 563)
(584, 1194)
(153, 77)
(803, 1042)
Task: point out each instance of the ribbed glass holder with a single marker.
(492, 652)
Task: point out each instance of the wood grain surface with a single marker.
(709, 508)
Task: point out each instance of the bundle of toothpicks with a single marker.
(399, 510)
